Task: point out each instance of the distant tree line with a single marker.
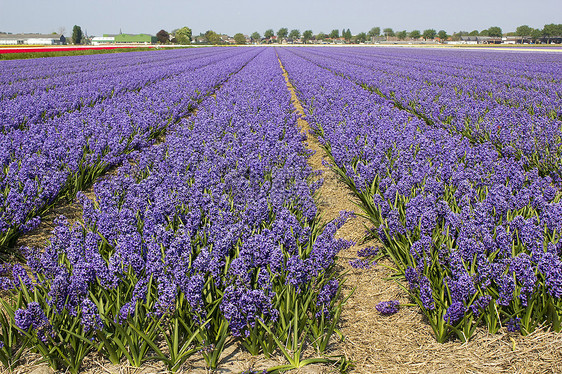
(283, 33)
(547, 32)
(184, 35)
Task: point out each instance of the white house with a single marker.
(32, 39)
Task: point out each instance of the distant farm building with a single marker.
(103, 40)
(466, 39)
(32, 39)
(133, 38)
(201, 39)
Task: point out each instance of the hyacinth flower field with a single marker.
(205, 224)
(467, 206)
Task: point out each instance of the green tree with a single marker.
(212, 37)
(551, 30)
(429, 34)
(484, 32)
(442, 34)
(321, 36)
(294, 34)
(362, 37)
(347, 34)
(282, 33)
(163, 37)
(76, 34)
(375, 31)
(183, 35)
(402, 34)
(474, 33)
(256, 37)
(495, 31)
(335, 34)
(307, 35)
(239, 38)
(388, 32)
(268, 34)
(523, 30)
(536, 34)
(415, 34)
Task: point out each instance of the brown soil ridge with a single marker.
(404, 343)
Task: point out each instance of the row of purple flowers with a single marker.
(36, 90)
(511, 103)
(208, 236)
(475, 231)
(58, 157)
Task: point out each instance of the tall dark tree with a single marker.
(347, 34)
(268, 34)
(335, 34)
(307, 35)
(76, 34)
(163, 36)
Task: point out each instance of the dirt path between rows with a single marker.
(403, 343)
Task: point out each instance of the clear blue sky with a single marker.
(246, 16)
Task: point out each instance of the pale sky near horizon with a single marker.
(246, 16)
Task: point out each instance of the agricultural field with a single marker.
(19, 53)
(250, 209)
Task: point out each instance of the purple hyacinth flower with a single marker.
(514, 324)
(388, 307)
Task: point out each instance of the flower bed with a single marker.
(475, 232)
(209, 236)
(48, 160)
